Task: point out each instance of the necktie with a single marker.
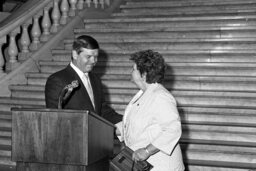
(89, 88)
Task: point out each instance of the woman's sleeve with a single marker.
(165, 130)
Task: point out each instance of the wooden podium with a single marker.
(60, 140)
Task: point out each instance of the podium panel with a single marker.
(101, 165)
(60, 137)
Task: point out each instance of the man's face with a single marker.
(86, 59)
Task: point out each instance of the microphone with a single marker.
(66, 92)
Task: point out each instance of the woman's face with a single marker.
(138, 78)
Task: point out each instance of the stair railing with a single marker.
(22, 36)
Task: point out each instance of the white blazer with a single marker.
(152, 117)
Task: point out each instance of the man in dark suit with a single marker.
(84, 57)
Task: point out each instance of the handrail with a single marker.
(32, 39)
(33, 24)
(23, 14)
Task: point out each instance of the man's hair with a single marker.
(150, 63)
(84, 41)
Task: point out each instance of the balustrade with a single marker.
(34, 28)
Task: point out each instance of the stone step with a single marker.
(191, 117)
(196, 101)
(207, 69)
(5, 115)
(194, 145)
(219, 136)
(6, 167)
(189, 111)
(215, 156)
(203, 165)
(194, 52)
(5, 150)
(172, 22)
(218, 127)
(5, 141)
(8, 164)
(153, 3)
(41, 78)
(7, 103)
(36, 78)
(249, 40)
(121, 85)
(198, 165)
(161, 45)
(173, 27)
(193, 99)
(5, 124)
(172, 33)
(170, 56)
(128, 64)
(167, 9)
(242, 89)
(5, 132)
(124, 93)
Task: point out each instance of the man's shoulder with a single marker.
(60, 75)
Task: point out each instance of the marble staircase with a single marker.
(209, 46)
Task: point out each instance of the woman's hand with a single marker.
(140, 154)
(117, 131)
(144, 153)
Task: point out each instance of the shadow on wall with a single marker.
(169, 82)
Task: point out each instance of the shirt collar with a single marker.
(77, 70)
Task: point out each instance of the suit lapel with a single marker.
(82, 95)
(95, 90)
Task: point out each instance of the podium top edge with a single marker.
(49, 110)
(93, 114)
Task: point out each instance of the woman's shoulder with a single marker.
(161, 93)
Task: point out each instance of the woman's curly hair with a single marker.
(150, 62)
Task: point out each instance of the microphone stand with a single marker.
(61, 97)
(66, 92)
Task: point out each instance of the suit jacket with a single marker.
(79, 99)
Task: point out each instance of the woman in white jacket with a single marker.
(151, 124)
